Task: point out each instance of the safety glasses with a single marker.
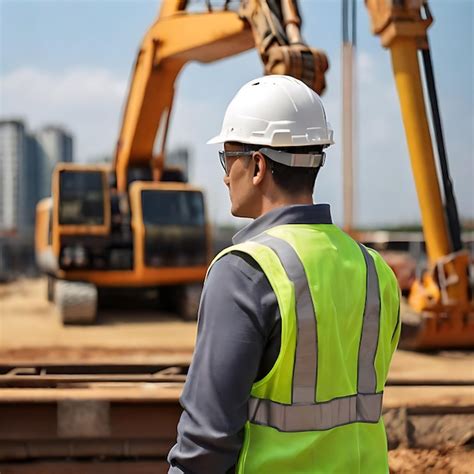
(311, 159)
(231, 154)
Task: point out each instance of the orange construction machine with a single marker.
(137, 223)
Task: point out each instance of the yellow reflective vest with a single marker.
(318, 410)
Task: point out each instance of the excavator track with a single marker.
(76, 302)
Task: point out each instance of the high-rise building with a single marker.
(53, 145)
(29, 184)
(12, 158)
(26, 164)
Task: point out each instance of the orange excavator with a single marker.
(137, 224)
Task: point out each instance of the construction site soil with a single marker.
(422, 385)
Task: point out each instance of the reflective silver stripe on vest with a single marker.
(306, 355)
(316, 416)
(367, 376)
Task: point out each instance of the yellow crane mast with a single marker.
(442, 295)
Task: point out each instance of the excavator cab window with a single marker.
(175, 229)
(81, 200)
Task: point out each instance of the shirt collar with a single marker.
(295, 214)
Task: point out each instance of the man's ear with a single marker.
(260, 167)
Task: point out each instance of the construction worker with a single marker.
(298, 322)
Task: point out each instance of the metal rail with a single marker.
(50, 376)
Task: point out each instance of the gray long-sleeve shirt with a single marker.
(238, 342)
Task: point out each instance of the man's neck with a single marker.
(283, 200)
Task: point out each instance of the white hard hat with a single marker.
(276, 111)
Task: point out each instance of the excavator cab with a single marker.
(81, 198)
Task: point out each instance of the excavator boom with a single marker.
(270, 25)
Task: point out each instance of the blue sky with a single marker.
(69, 62)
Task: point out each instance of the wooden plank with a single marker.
(162, 392)
(86, 449)
(446, 366)
(54, 356)
(46, 421)
(409, 397)
(81, 467)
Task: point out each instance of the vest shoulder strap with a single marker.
(244, 247)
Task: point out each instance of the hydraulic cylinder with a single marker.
(406, 69)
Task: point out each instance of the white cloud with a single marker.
(87, 101)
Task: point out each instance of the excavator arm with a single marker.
(179, 36)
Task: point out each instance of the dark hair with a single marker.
(292, 179)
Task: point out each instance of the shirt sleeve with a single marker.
(238, 321)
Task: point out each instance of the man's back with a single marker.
(314, 373)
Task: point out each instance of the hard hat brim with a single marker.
(217, 139)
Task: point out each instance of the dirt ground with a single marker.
(30, 328)
(30, 331)
(411, 461)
